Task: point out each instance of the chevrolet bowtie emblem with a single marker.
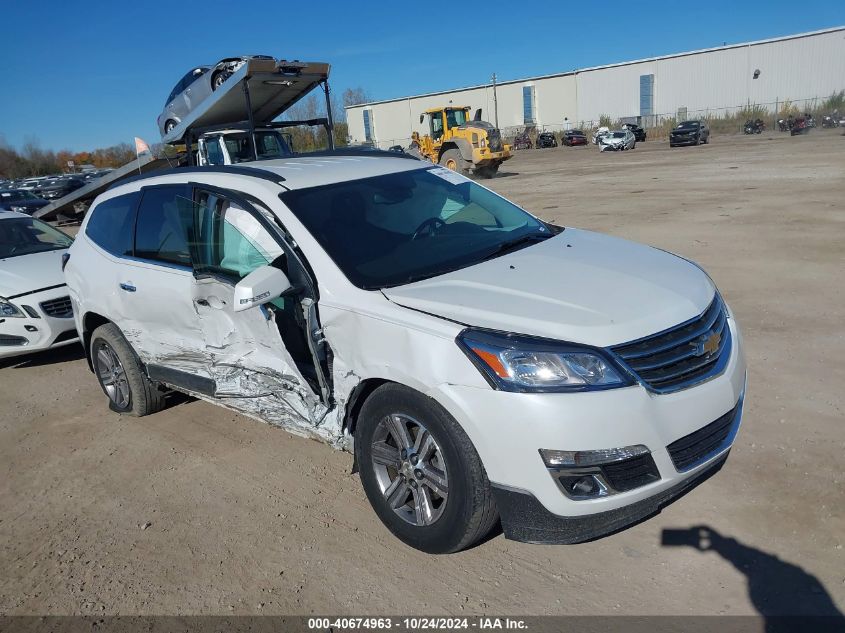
(708, 344)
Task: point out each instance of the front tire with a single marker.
(121, 375)
(452, 159)
(421, 472)
(169, 125)
(218, 79)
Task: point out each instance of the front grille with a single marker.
(7, 340)
(631, 473)
(696, 447)
(494, 140)
(58, 308)
(682, 356)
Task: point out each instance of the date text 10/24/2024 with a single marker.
(416, 624)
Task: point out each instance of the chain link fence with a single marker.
(725, 120)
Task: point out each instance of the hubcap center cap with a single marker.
(407, 470)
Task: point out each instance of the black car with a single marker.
(638, 132)
(546, 139)
(21, 201)
(56, 188)
(689, 133)
(574, 137)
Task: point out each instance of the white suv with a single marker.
(485, 363)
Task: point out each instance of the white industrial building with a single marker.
(803, 69)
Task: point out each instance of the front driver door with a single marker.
(261, 359)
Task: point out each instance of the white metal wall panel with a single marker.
(709, 82)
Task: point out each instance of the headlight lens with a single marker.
(512, 362)
(9, 310)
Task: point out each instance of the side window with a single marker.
(213, 152)
(164, 226)
(230, 241)
(111, 223)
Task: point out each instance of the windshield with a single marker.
(393, 229)
(574, 132)
(24, 236)
(15, 196)
(688, 124)
(268, 144)
(619, 135)
(456, 118)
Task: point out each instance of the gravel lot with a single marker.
(199, 510)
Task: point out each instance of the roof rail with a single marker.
(358, 151)
(252, 172)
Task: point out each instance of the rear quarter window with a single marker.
(111, 224)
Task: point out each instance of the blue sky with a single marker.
(82, 75)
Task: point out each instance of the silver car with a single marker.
(197, 84)
(618, 140)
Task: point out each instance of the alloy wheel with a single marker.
(112, 375)
(410, 469)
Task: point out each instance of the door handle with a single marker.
(128, 287)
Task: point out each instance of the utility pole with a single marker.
(495, 103)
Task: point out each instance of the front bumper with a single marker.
(684, 140)
(32, 334)
(508, 430)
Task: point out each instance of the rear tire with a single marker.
(121, 375)
(459, 518)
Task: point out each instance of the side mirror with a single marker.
(260, 286)
(477, 115)
(422, 118)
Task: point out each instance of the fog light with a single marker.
(578, 459)
(582, 486)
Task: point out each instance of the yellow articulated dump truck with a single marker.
(460, 144)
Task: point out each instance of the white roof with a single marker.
(301, 172)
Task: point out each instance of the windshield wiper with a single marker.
(515, 244)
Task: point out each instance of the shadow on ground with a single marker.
(47, 357)
(775, 587)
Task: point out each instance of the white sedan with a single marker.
(618, 140)
(35, 310)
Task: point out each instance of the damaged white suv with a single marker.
(486, 364)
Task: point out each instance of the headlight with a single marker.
(18, 209)
(512, 362)
(9, 310)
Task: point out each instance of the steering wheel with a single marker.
(428, 226)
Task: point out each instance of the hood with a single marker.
(26, 273)
(579, 286)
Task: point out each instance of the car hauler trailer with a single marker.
(261, 89)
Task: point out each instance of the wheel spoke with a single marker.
(424, 446)
(435, 479)
(422, 506)
(104, 362)
(386, 455)
(396, 493)
(399, 431)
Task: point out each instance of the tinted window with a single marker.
(111, 222)
(393, 229)
(164, 225)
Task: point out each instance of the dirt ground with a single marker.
(197, 510)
